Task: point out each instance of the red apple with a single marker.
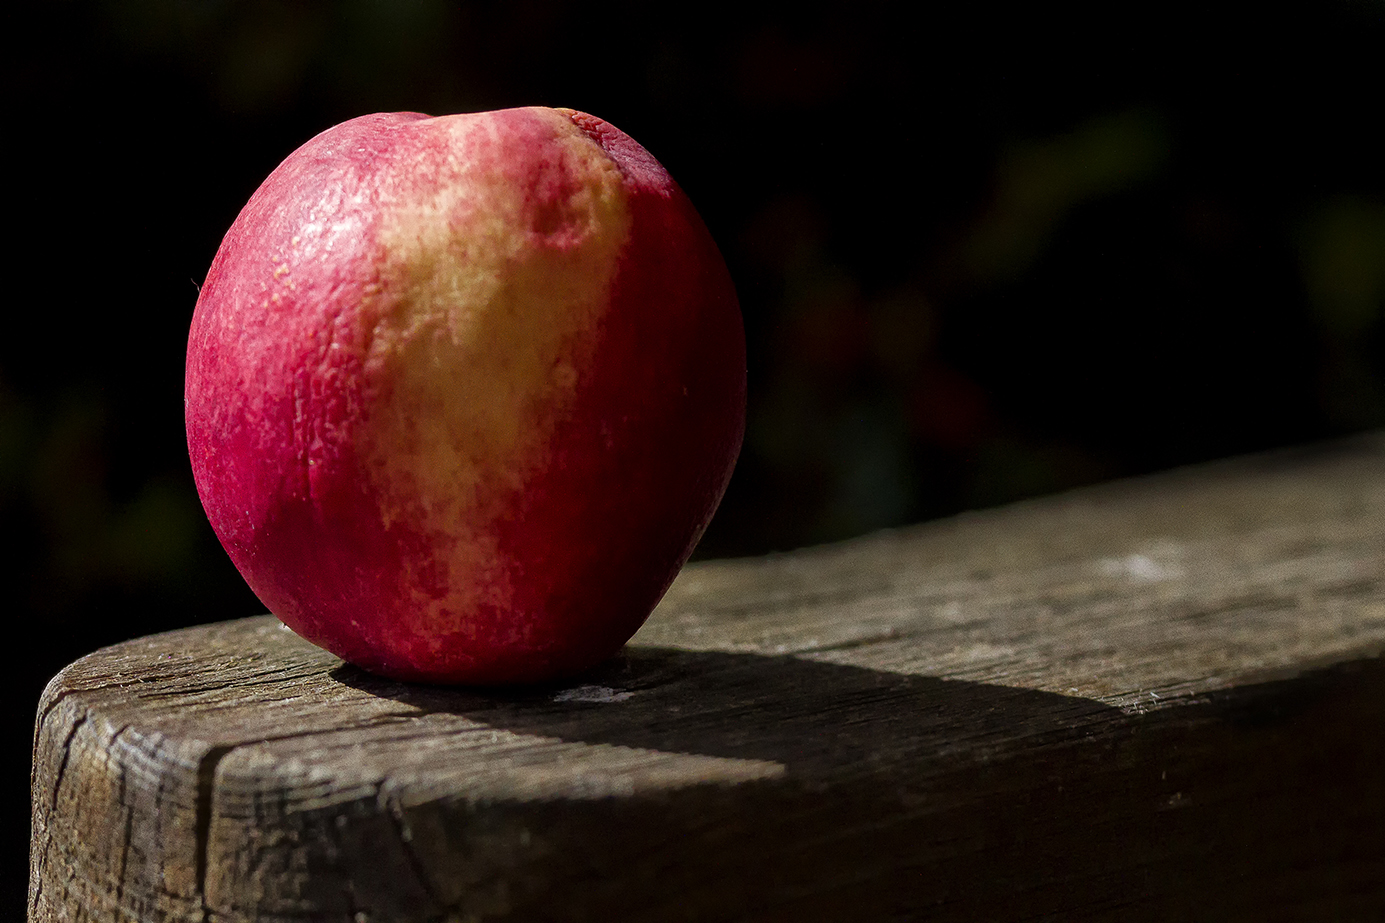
(463, 392)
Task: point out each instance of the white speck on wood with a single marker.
(590, 693)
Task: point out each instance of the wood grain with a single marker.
(1154, 700)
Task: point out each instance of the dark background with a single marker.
(982, 253)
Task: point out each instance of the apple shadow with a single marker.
(819, 720)
(907, 796)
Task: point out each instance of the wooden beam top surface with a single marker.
(882, 662)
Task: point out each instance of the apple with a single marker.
(463, 392)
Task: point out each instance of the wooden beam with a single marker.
(1153, 700)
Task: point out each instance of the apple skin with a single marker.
(463, 392)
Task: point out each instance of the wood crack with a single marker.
(206, 790)
(67, 755)
(395, 812)
(267, 678)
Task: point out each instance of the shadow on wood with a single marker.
(900, 794)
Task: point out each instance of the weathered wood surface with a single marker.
(1155, 700)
